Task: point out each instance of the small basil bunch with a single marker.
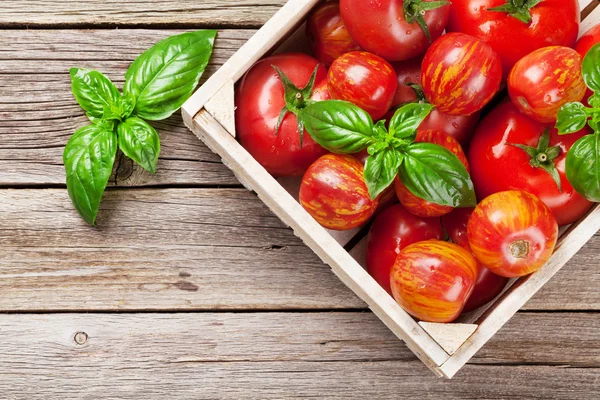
(583, 159)
(157, 84)
(429, 171)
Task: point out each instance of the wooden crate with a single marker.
(444, 348)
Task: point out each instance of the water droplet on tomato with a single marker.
(408, 31)
(455, 125)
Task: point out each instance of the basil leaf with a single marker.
(594, 100)
(89, 157)
(435, 174)
(338, 126)
(571, 118)
(407, 119)
(139, 141)
(583, 167)
(165, 76)
(93, 91)
(591, 68)
(381, 169)
(121, 110)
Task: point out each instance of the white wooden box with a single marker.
(444, 348)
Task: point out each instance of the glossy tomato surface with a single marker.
(364, 79)
(259, 101)
(512, 233)
(432, 280)
(545, 80)
(380, 26)
(321, 91)
(554, 22)
(393, 230)
(497, 165)
(584, 44)
(327, 34)
(487, 285)
(417, 205)
(334, 192)
(460, 74)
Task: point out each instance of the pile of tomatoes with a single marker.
(370, 59)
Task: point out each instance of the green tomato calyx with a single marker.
(519, 9)
(415, 10)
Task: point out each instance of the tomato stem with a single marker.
(519, 9)
(415, 10)
(519, 249)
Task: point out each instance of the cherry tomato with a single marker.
(553, 23)
(584, 44)
(432, 280)
(364, 79)
(497, 165)
(460, 74)
(417, 205)
(259, 101)
(460, 127)
(334, 192)
(487, 285)
(512, 233)
(382, 26)
(321, 91)
(393, 230)
(545, 80)
(327, 34)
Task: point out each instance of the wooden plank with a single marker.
(52, 13)
(233, 356)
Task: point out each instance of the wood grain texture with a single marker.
(281, 355)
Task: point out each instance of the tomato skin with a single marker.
(460, 74)
(381, 28)
(491, 155)
(364, 79)
(545, 80)
(583, 45)
(432, 280)
(416, 205)
(327, 34)
(487, 285)
(554, 23)
(259, 100)
(393, 230)
(334, 192)
(321, 91)
(512, 233)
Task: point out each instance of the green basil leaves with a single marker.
(157, 84)
(583, 166)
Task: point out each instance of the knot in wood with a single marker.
(81, 338)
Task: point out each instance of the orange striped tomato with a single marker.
(432, 280)
(512, 233)
(334, 192)
(545, 80)
(417, 205)
(460, 74)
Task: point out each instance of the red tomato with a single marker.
(334, 192)
(321, 91)
(393, 230)
(417, 205)
(497, 165)
(259, 101)
(553, 23)
(584, 44)
(381, 27)
(364, 79)
(487, 285)
(432, 280)
(545, 80)
(512, 233)
(459, 127)
(327, 35)
(460, 74)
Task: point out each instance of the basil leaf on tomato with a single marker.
(89, 157)
(594, 100)
(583, 167)
(381, 169)
(165, 76)
(591, 68)
(407, 119)
(571, 118)
(338, 126)
(139, 141)
(93, 91)
(435, 174)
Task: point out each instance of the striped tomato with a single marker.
(512, 233)
(432, 280)
(334, 192)
(545, 80)
(460, 74)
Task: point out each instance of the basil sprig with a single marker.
(156, 86)
(429, 171)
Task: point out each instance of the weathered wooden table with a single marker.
(191, 288)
